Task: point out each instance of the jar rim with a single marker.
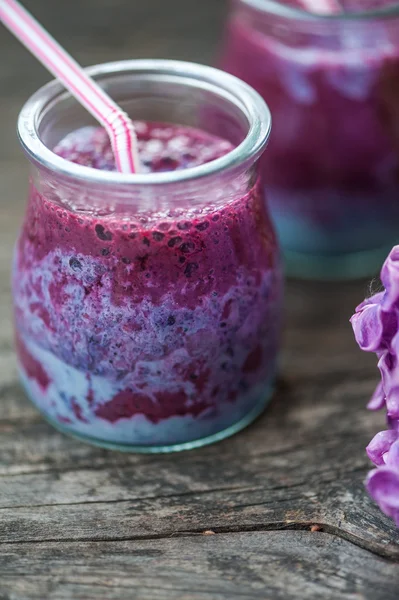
(246, 99)
(282, 10)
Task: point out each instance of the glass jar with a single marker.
(332, 168)
(147, 307)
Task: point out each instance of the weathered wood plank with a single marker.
(348, 515)
(267, 566)
(266, 477)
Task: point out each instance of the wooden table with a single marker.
(277, 512)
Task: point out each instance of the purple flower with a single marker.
(377, 400)
(367, 324)
(390, 279)
(389, 369)
(375, 325)
(376, 328)
(380, 446)
(383, 486)
(383, 483)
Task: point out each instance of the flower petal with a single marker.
(368, 327)
(383, 486)
(390, 279)
(392, 457)
(377, 400)
(380, 445)
(389, 369)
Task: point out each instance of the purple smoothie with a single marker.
(331, 170)
(147, 330)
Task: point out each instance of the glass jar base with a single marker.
(256, 411)
(348, 266)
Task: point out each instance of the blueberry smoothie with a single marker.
(152, 328)
(332, 84)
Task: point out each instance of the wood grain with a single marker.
(257, 565)
(285, 498)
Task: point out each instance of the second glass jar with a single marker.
(332, 169)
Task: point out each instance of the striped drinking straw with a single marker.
(44, 47)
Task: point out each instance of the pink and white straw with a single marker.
(322, 7)
(44, 47)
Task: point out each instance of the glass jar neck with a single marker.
(296, 29)
(145, 201)
(155, 91)
(287, 11)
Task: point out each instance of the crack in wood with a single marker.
(220, 530)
